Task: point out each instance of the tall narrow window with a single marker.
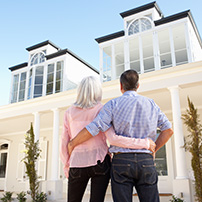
(134, 54)
(38, 84)
(29, 96)
(3, 160)
(22, 86)
(161, 160)
(59, 76)
(14, 95)
(119, 59)
(148, 55)
(107, 64)
(164, 48)
(180, 45)
(50, 79)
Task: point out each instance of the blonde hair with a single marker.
(89, 92)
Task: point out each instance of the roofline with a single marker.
(16, 67)
(110, 36)
(142, 8)
(41, 45)
(163, 20)
(171, 18)
(64, 51)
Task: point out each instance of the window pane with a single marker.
(50, 68)
(107, 64)
(161, 163)
(49, 89)
(15, 88)
(58, 84)
(58, 76)
(3, 162)
(145, 24)
(38, 84)
(38, 79)
(50, 78)
(134, 28)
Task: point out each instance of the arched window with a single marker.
(139, 25)
(38, 58)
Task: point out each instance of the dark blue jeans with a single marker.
(134, 169)
(79, 177)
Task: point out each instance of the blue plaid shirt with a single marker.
(131, 115)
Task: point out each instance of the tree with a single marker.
(194, 145)
(32, 154)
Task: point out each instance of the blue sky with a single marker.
(68, 24)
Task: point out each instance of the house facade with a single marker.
(167, 53)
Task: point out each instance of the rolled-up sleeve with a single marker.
(103, 121)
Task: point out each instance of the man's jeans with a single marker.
(79, 177)
(134, 169)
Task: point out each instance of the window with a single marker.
(139, 25)
(134, 54)
(107, 64)
(38, 58)
(22, 86)
(14, 95)
(30, 85)
(54, 78)
(50, 79)
(164, 48)
(59, 76)
(38, 84)
(3, 160)
(148, 55)
(119, 59)
(161, 160)
(180, 45)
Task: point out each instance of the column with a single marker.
(36, 126)
(141, 55)
(55, 145)
(181, 171)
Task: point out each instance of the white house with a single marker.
(166, 51)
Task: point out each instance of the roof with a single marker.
(64, 51)
(141, 8)
(163, 20)
(110, 36)
(16, 67)
(39, 45)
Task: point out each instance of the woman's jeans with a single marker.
(134, 169)
(79, 177)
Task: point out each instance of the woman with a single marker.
(90, 160)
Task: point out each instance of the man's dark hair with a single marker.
(129, 80)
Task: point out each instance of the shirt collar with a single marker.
(130, 93)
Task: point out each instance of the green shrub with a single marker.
(22, 196)
(7, 196)
(42, 197)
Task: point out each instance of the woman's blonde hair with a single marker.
(89, 92)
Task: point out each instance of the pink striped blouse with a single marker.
(89, 152)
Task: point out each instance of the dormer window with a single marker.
(139, 25)
(38, 58)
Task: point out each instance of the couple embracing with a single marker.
(129, 123)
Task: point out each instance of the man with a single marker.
(136, 116)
